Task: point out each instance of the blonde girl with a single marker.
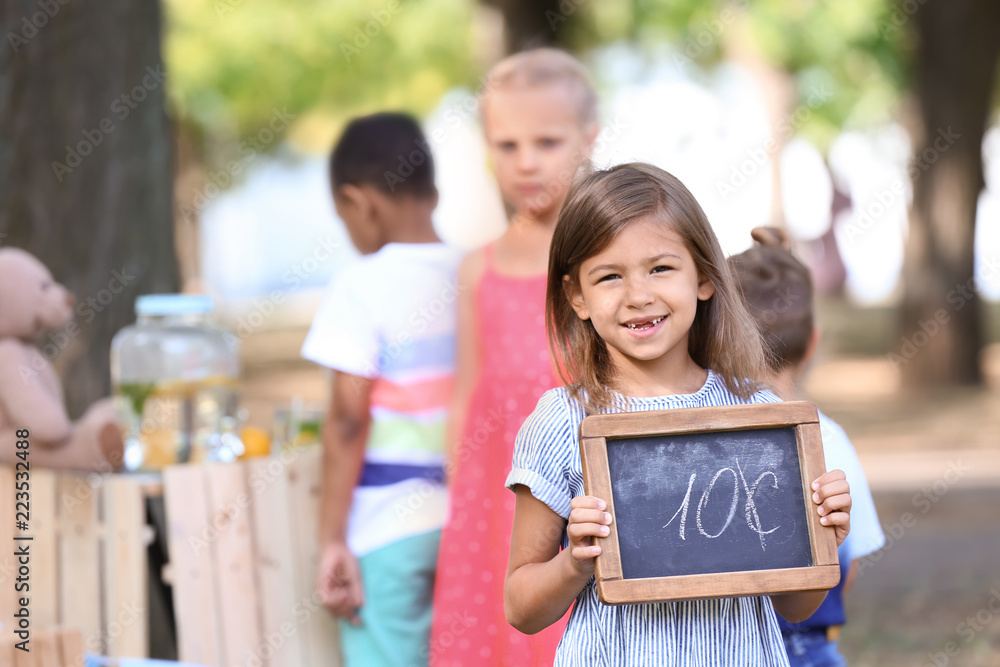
(540, 120)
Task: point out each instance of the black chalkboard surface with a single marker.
(708, 502)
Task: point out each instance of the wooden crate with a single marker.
(57, 647)
(88, 558)
(243, 557)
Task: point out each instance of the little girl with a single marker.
(643, 314)
(540, 119)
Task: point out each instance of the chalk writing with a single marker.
(750, 507)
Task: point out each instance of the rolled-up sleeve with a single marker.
(544, 453)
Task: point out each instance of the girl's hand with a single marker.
(587, 519)
(833, 495)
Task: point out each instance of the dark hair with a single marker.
(723, 336)
(779, 293)
(387, 151)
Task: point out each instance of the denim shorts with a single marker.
(809, 648)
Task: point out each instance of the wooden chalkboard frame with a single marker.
(613, 588)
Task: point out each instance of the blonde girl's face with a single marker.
(641, 294)
(537, 144)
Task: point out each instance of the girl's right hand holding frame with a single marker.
(542, 579)
(588, 519)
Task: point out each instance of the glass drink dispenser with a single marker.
(175, 381)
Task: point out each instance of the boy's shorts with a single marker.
(395, 628)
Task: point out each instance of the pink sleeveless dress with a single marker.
(469, 626)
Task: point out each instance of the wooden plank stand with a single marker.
(88, 568)
(243, 557)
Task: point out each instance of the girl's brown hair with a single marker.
(723, 336)
(779, 293)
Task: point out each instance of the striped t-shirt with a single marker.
(390, 317)
(737, 632)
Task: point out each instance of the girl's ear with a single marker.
(706, 288)
(575, 297)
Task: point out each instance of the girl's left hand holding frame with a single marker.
(832, 494)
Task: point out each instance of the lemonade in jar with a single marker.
(175, 381)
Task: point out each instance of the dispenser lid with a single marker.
(174, 304)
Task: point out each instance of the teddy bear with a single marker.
(31, 395)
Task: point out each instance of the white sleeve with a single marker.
(866, 535)
(345, 334)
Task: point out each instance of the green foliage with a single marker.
(232, 63)
(850, 49)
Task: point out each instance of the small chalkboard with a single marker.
(708, 502)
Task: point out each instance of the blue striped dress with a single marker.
(740, 632)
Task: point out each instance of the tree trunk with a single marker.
(533, 23)
(85, 163)
(941, 316)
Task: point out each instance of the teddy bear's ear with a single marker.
(25, 306)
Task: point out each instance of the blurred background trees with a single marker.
(954, 76)
(235, 67)
(86, 174)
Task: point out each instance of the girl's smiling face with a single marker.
(641, 294)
